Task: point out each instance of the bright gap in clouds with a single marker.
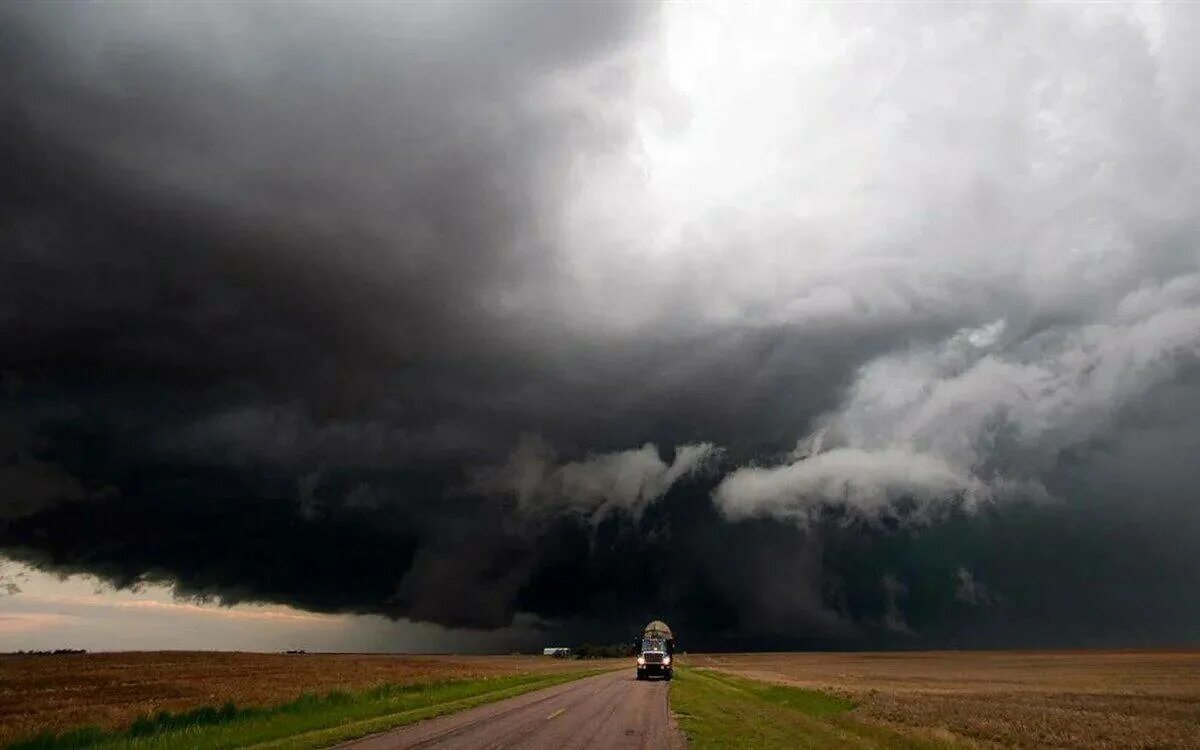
(822, 165)
(43, 612)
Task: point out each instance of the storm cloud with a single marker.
(794, 324)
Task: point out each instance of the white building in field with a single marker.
(560, 651)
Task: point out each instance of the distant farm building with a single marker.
(559, 651)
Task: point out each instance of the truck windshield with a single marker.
(653, 644)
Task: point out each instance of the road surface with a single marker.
(611, 710)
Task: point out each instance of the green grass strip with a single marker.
(718, 710)
(310, 721)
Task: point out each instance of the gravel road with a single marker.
(606, 711)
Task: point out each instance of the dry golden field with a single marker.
(110, 690)
(1093, 699)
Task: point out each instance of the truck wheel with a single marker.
(641, 676)
(670, 673)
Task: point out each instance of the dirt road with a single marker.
(607, 711)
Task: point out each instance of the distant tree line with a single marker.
(55, 652)
(610, 651)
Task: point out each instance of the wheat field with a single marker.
(1093, 699)
(59, 692)
(1102, 699)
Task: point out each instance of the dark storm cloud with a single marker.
(266, 215)
(568, 313)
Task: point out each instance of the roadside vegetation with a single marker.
(724, 711)
(309, 722)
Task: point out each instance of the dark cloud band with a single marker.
(285, 296)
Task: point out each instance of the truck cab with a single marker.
(656, 652)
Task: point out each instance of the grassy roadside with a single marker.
(718, 710)
(311, 721)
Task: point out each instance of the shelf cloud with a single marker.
(791, 324)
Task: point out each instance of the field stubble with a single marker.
(1108, 699)
(61, 692)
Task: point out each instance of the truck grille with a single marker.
(653, 658)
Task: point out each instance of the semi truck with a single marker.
(656, 651)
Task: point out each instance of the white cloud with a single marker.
(865, 479)
(626, 481)
(962, 420)
(970, 591)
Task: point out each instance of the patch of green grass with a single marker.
(718, 710)
(307, 722)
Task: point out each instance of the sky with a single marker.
(481, 326)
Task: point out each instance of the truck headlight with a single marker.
(641, 660)
(666, 660)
